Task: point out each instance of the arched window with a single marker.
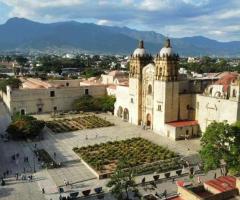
(234, 93)
(149, 89)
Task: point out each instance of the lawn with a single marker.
(139, 153)
(85, 122)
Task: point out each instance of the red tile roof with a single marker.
(226, 80)
(223, 183)
(183, 123)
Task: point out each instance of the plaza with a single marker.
(73, 170)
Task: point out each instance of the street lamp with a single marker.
(34, 169)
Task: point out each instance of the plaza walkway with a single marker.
(73, 170)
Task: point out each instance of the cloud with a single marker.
(218, 19)
(104, 22)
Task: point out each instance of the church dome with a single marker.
(140, 51)
(166, 50)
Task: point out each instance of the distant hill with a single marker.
(23, 35)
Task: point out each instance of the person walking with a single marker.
(43, 190)
(215, 175)
(54, 154)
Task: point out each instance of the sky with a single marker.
(216, 19)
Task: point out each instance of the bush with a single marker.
(12, 82)
(89, 103)
(25, 127)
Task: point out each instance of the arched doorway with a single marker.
(126, 114)
(149, 120)
(120, 112)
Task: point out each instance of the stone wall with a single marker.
(209, 109)
(47, 100)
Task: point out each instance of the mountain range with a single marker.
(19, 34)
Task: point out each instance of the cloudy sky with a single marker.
(217, 19)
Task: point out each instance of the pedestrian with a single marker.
(43, 190)
(165, 193)
(35, 145)
(199, 180)
(54, 154)
(60, 197)
(215, 175)
(65, 182)
(173, 180)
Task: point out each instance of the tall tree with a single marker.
(122, 182)
(221, 142)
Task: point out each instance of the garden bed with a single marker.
(137, 153)
(85, 122)
(46, 160)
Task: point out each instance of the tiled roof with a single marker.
(223, 183)
(183, 123)
(226, 80)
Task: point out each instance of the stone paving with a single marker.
(73, 170)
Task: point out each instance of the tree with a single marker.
(89, 103)
(122, 182)
(84, 103)
(12, 82)
(221, 142)
(21, 60)
(24, 127)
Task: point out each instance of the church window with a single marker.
(86, 92)
(131, 100)
(67, 84)
(159, 108)
(234, 93)
(149, 89)
(188, 107)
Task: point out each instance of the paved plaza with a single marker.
(78, 175)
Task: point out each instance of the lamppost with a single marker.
(34, 169)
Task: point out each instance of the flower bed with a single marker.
(138, 153)
(66, 125)
(45, 158)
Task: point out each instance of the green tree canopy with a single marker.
(221, 142)
(89, 103)
(12, 82)
(24, 127)
(21, 60)
(122, 182)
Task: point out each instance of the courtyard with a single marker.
(73, 170)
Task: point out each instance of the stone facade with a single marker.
(43, 97)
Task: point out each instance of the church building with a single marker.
(159, 98)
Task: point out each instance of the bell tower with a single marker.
(166, 63)
(167, 85)
(138, 60)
